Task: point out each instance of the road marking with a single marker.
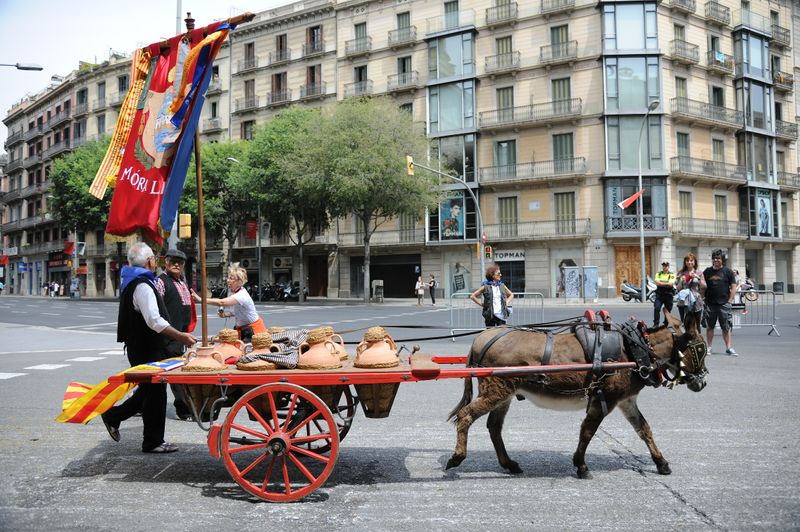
(157, 474)
(88, 316)
(61, 350)
(51, 314)
(85, 326)
(48, 366)
(11, 375)
(85, 359)
(114, 352)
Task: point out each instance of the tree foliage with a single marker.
(72, 175)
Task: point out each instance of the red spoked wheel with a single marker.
(279, 442)
(343, 416)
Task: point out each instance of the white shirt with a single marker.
(245, 312)
(144, 302)
(497, 306)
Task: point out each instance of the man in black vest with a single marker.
(173, 288)
(144, 328)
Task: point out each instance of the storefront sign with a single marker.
(58, 259)
(509, 254)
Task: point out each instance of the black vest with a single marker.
(180, 315)
(142, 343)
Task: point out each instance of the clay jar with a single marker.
(318, 351)
(337, 341)
(229, 345)
(262, 344)
(204, 359)
(377, 350)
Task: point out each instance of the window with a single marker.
(751, 51)
(563, 158)
(503, 45)
(679, 32)
(451, 107)
(360, 74)
(122, 84)
(101, 93)
(630, 27)
(685, 204)
(560, 89)
(505, 158)
(507, 216)
(451, 56)
(360, 30)
(631, 82)
(680, 88)
(623, 139)
(247, 129)
(505, 103)
(403, 20)
(654, 200)
(720, 207)
(407, 108)
(754, 152)
(456, 154)
(717, 96)
(249, 53)
(313, 80)
(280, 45)
(314, 38)
(451, 14)
(214, 110)
(408, 223)
(564, 203)
(101, 125)
(82, 96)
(718, 150)
(682, 141)
(756, 101)
(404, 67)
(279, 83)
(714, 43)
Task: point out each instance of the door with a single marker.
(627, 266)
(318, 275)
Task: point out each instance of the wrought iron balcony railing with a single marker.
(703, 168)
(359, 88)
(99, 104)
(502, 62)
(313, 90)
(684, 52)
(384, 238)
(783, 81)
(279, 97)
(313, 48)
(709, 228)
(781, 36)
(539, 230)
(789, 180)
(786, 130)
(630, 224)
(684, 108)
(402, 36)
(686, 6)
(359, 46)
(536, 171)
(81, 109)
(280, 56)
(451, 21)
(550, 7)
(244, 65)
(558, 53)
(214, 86)
(402, 81)
(720, 62)
(212, 124)
(716, 12)
(248, 103)
(14, 137)
(550, 112)
(501, 14)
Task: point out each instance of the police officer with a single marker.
(665, 292)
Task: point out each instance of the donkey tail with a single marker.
(466, 399)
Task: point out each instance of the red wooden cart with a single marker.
(279, 439)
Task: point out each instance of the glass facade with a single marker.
(623, 139)
(631, 82)
(451, 107)
(456, 154)
(630, 27)
(451, 56)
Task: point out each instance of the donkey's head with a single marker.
(687, 357)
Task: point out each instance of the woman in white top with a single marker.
(419, 289)
(496, 298)
(244, 310)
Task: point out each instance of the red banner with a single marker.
(251, 229)
(69, 247)
(3, 260)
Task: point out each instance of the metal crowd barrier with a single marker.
(758, 313)
(465, 315)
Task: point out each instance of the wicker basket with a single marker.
(377, 399)
(202, 396)
(330, 395)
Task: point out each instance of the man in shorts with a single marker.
(718, 287)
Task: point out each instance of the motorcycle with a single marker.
(629, 291)
(291, 292)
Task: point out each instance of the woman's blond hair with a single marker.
(238, 272)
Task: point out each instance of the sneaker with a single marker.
(112, 430)
(708, 350)
(163, 448)
(732, 352)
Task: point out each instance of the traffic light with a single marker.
(184, 226)
(487, 252)
(409, 165)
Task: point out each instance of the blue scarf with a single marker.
(131, 273)
(491, 283)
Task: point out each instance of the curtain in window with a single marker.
(565, 212)
(507, 210)
(505, 158)
(563, 158)
(505, 103)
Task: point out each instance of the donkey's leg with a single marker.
(594, 416)
(631, 411)
(491, 393)
(495, 425)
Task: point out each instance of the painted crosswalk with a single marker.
(47, 366)
(4, 376)
(85, 359)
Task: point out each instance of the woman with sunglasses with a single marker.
(496, 298)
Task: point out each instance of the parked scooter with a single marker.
(629, 291)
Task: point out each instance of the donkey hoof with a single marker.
(513, 467)
(454, 461)
(583, 473)
(663, 469)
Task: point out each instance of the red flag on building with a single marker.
(624, 204)
(251, 229)
(3, 260)
(69, 247)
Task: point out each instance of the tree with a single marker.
(294, 200)
(72, 175)
(359, 150)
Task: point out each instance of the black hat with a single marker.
(665, 263)
(176, 254)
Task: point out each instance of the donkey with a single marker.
(677, 356)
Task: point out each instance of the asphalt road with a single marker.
(732, 448)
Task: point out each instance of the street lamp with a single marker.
(24, 66)
(653, 105)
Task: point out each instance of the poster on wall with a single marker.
(460, 278)
(764, 208)
(451, 216)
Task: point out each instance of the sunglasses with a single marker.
(179, 262)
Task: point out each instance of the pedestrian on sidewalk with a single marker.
(432, 285)
(143, 327)
(496, 298)
(665, 293)
(419, 290)
(718, 287)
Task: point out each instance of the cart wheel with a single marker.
(751, 295)
(342, 415)
(268, 454)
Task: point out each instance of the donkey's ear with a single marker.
(691, 322)
(674, 321)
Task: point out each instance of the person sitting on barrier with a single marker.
(496, 298)
(718, 286)
(248, 322)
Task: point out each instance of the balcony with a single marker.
(359, 88)
(313, 90)
(502, 63)
(313, 48)
(542, 113)
(81, 109)
(784, 82)
(279, 57)
(34, 132)
(59, 118)
(99, 104)
(719, 62)
(33, 221)
(32, 160)
(539, 230)
(694, 112)
(789, 181)
(501, 15)
(683, 6)
(401, 237)
(553, 54)
(403, 81)
(10, 196)
(706, 170)
(38, 188)
(357, 47)
(625, 226)
(781, 37)
(43, 247)
(703, 228)
(786, 130)
(14, 137)
(451, 21)
(243, 105)
(684, 52)
(539, 171)
(9, 227)
(212, 125)
(214, 87)
(402, 36)
(718, 14)
(79, 141)
(116, 99)
(552, 7)
(790, 232)
(246, 65)
(56, 148)
(276, 98)
(13, 165)
(746, 19)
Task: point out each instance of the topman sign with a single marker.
(509, 254)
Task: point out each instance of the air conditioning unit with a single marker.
(249, 262)
(282, 263)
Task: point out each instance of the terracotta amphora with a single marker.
(377, 350)
(318, 351)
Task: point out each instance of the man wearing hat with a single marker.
(173, 289)
(665, 292)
